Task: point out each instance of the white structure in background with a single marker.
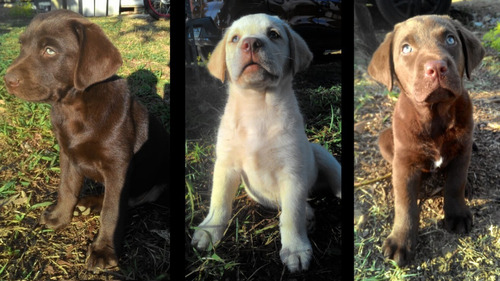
(90, 8)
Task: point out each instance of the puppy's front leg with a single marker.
(296, 250)
(225, 182)
(102, 251)
(401, 242)
(457, 216)
(57, 217)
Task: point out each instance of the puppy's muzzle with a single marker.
(11, 81)
(436, 80)
(250, 47)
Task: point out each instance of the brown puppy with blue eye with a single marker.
(427, 57)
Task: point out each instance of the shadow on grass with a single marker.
(142, 83)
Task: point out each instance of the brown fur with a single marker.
(432, 120)
(103, 132)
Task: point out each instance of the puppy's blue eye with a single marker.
(235, 38)
(406, 49)
(274, 35)
(450, 40)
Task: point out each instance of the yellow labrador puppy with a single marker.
(261, 139)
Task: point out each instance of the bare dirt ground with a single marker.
(440, 255)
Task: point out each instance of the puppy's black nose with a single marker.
(11, 80)
(251, 44)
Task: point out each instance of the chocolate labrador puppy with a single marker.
(103, 132)
(427, 57)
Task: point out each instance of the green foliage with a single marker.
(492, 38)
(22, 10)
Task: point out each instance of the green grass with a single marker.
(29, 165)
(492, 38)
(250, 247)
(22, 10)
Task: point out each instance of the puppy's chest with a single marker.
(255, 141)
(86, 141)
(257, 132)
(438, 152)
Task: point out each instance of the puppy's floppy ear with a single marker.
(381, 67)
(217, 63)
(300, 55)
(98, 58)
(471, 47)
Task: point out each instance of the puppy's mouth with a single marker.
(255, 72)
(253, 66)
(439, 90)
(438, 95)
(33, 94)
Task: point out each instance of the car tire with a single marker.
(395, 11)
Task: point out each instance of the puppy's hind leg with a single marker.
(329, 167)
(225, 182)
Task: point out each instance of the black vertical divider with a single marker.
(347, 140)
(177, 135)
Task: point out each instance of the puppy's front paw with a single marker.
(55, 219)
(296, 257)
(101, 257)
(205, 235)
(458, 220)
(398, 248)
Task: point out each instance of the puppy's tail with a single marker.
(329, 168)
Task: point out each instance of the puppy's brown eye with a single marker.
(273, 34)
(235, 38)
(450, 40)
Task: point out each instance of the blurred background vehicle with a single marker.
(317, 21)
(158, 8)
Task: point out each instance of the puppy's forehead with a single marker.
(424, 28)
(52, 24)
(256, 24)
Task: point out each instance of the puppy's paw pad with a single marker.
(296, 259)
(397, 249)
(101, 258)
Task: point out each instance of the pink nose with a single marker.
(435, 68)
(11, 80)
(251, 44)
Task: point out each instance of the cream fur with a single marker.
(261, 140)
